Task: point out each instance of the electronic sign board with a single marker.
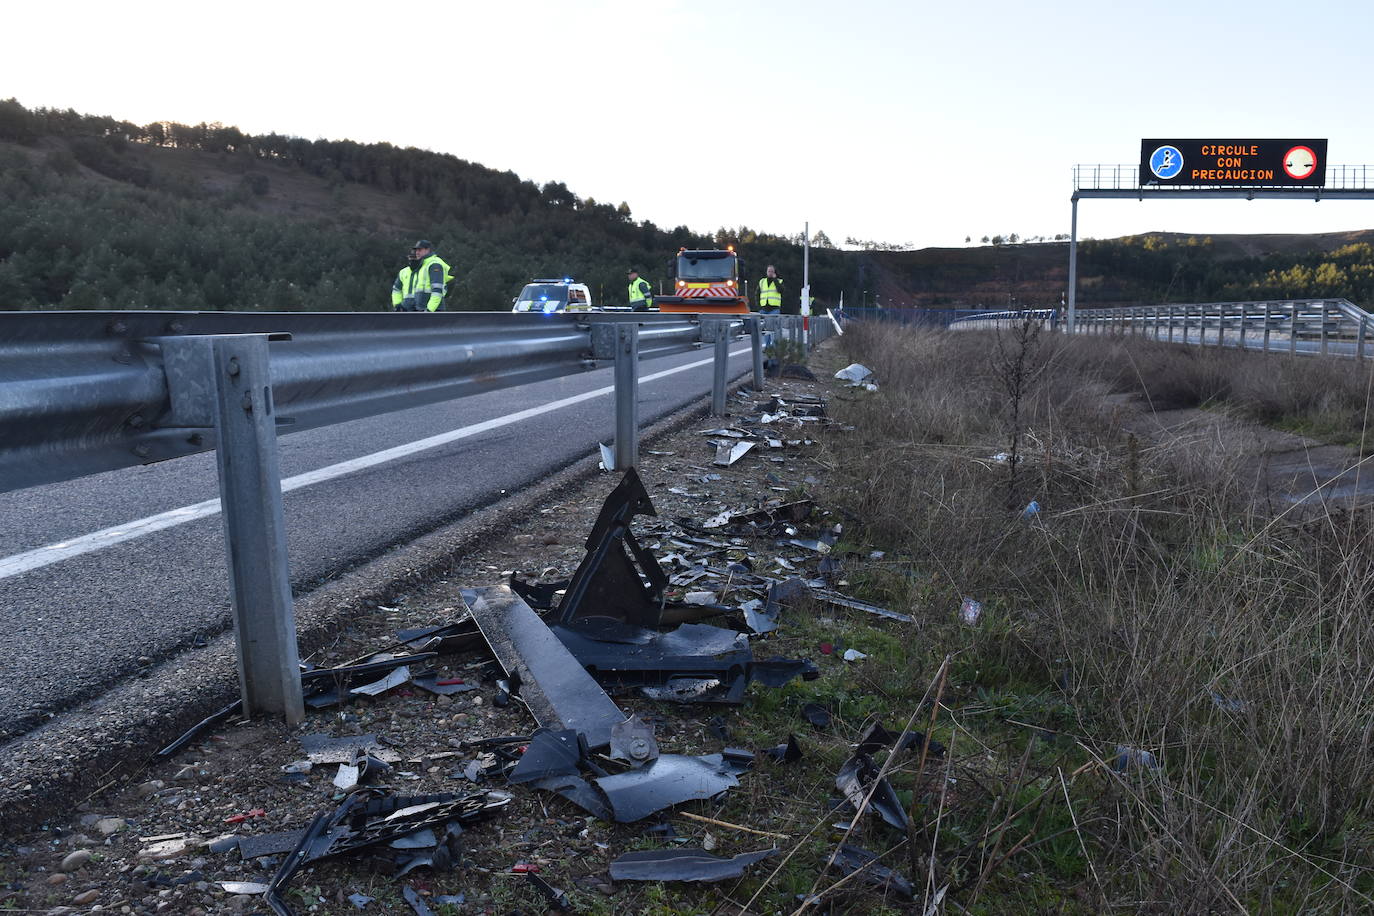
(1233, 163)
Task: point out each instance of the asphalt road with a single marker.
(77, 613)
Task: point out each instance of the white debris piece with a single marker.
(855, 374)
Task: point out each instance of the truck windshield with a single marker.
(690, 268)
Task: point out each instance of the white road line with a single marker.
(20, 563)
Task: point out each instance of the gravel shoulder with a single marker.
(91, 826)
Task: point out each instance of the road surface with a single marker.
(98, 573)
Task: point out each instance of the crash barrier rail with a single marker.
(946, 318)
(87, 392)
(1322, 327)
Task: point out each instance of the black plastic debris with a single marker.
(269, 844)
(851, 859)
(719, 729)
(878, 737)
(669, 780)
(556, 898)
(580, 792)
(817, 715)
(608, 583)
(777, 671)
(633, 742)
(542, 596)
(550, 753)
(787, 752)
(699, 662)
(417, 903)
(857, 777)
(682, 865)
(556, 688)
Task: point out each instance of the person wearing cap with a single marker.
(641, 292)
(420, 285)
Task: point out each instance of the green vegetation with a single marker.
(100, 213)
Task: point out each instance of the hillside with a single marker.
(1151, 268)
(100, 213)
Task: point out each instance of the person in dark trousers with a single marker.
(420, 285)
(641, 292)
(770, 292)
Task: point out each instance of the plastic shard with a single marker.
(857, 778)
(669, 780)
(608, 583)
(682, 865)
(851, 859)
(558, 691)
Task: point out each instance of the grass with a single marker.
(1147, 606)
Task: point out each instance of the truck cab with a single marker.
(705, 281)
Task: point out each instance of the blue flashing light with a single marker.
(567, 279)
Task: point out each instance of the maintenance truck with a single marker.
(706, 282)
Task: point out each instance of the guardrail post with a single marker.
(756, 349)
(1326, 315)
(1244, 313)
(722, 338)
(1293, 329)
(1268, 314)
(1359, 340)
(626, 395)
(255, 527)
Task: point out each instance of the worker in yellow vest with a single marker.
(420, 285)
(770, 292)
(641, 292)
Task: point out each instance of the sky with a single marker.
(908, 122)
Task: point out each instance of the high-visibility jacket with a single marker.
(770, 293)
(641, 294)
(421, 289)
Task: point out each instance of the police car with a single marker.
(556, 295)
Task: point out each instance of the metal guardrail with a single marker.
(1323, 327)
(955, 319)
(86, 392)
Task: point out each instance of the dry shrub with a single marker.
(1236, 648)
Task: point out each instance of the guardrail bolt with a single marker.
(116, 327)
(142, 451)
(247, 402)
(233, 366)
(137, 421)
